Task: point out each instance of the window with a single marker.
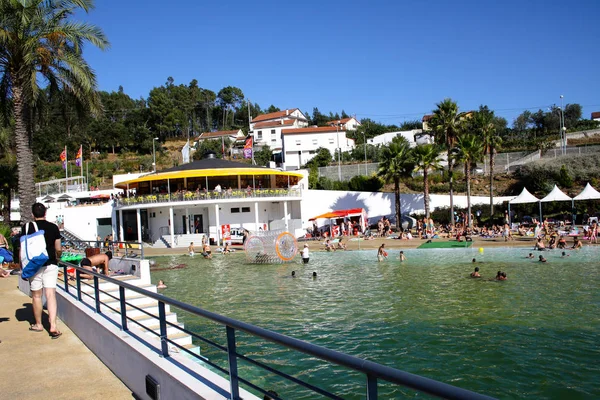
(259, 135)
(298, 142)
(235, 210)
(273, 140)
(331, 141)
(245, 209)
(315, 142)
(272, 132)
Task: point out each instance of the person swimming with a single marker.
(314, 275)
(542, 259)
(402, 256)
(475, 273)
(564, 254)
(529, 256)
(293, 274)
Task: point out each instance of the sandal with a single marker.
(55, 335)
(32, 329)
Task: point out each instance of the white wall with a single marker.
(316, 202)
(387, 137)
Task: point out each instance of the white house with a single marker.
(347, 124)
(596, 116)
(266, 128)
(300, 145)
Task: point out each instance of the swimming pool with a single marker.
(532, 336)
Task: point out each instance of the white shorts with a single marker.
(45, 278)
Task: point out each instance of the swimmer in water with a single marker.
(191, 249)
(314, 275)
(293, 274)
(530, 255)
(402, 256)
(542, 259)
(473, 261)
(475, 274)
(206, 252)
(381, 253)
(564, 254)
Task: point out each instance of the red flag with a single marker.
(63, 155)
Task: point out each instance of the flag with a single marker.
(185, 152)
(63, 157)
(248, 148)
(79, 157)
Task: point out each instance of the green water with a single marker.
(532, 336)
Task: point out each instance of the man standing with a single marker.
(47, 276)
(305, 254)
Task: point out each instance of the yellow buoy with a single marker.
(481, 250)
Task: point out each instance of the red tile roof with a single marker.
(268, 124)
(273, 115)
(427, 117)
(209, 135)
(596, 114)
(339, 121)
(316, 129)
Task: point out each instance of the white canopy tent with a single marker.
(588, 193)
(525, 197)
(555, 195)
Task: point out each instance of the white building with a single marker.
(347, 124)
(596, 116)
(300, 145)
(266, 128)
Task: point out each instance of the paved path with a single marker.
(38, 367)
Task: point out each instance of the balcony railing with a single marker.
(208, 195)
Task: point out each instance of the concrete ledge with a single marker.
(132, 355)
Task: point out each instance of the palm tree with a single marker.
(426, 158)
(484, 125)
(395, 163)
(469, 150)
(446, 124)
(38, 42)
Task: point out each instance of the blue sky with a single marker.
(387, 60)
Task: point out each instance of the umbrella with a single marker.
(48, 199)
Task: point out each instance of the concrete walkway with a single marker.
(38, 367)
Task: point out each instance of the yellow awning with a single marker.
(196, 173)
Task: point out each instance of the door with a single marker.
(198, 226)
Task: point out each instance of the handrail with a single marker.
(371, 369)
(207, 195)
(131, 249)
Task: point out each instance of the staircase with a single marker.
(148, 324)
(72, 240)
